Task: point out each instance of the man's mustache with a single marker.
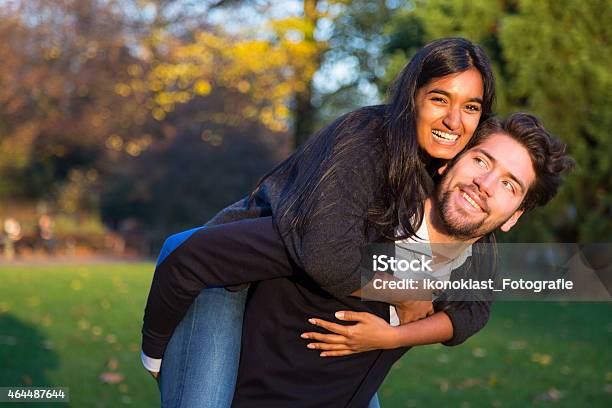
(474, 191)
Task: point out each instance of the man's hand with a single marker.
(155, 375)
(411, 310)
(370, 333)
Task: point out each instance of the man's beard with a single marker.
(454, 224)
(458, 226)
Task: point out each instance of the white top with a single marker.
(404, 249)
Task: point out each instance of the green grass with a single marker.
(69, 322)
(529, 354)
(61, 325)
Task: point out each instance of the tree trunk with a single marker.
(304, 116)
(304, 113)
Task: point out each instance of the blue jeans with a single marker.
(200, 364)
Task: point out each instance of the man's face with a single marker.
(485, 187)
(448, 111)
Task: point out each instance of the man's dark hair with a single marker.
(550, 161)
(548, 154)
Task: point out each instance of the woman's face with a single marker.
(448, 111)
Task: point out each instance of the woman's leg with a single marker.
(374, 403)
(200, 365)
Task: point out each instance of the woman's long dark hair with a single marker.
(437, 59)
(400, 202)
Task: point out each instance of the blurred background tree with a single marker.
(551, 58)
(157, 113)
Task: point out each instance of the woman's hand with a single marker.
(370, 333)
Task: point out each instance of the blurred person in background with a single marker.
(46, 238)
(12, 235)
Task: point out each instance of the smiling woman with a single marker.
(448, 111)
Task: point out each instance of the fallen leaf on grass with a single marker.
(112, 364)
(47, 320)
(84, 324)
(552, 394)
(493, 380)
(111, 378)
(469, 383)
(443, 358)
(543, 359)
(444, 384)
(33, 301)
(517, 345)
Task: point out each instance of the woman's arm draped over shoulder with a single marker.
(467, 321)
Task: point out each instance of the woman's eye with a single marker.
(438, 99)
(473, 108)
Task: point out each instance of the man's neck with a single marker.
(451, 247)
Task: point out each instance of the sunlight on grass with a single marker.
(78, 326)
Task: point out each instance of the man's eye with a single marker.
(508, 186)
(480, 163)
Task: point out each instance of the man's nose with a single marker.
(453, 118)
(485, 183)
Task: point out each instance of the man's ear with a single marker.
(505, 227)
(442, 169)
